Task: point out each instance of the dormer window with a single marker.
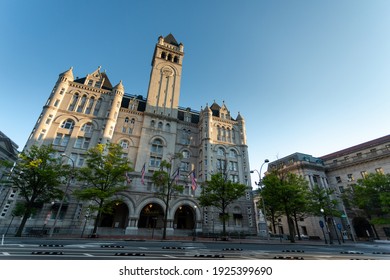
(98, 84)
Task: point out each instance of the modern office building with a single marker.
(82, 112)
(339, 171)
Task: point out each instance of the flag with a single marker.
(194, 185)
(128, 179)
(176, 175)
(143, 174)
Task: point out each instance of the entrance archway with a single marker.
(184, 217)
(118, 218)
(151, 216)
(362, 228)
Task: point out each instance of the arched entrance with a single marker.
(362, 228)
(151, 216)
(184, 217)
(117, 218)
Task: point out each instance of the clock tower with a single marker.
(164, 85)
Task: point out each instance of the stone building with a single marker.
(8, 152)
(82, 112)
(339, 171)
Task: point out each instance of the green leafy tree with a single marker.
(372, 195)
(37, 176)
(167, 186)
(287, 193)
(323, 205)
(220, 193)
(103, 177)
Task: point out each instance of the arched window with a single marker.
(90, 105)
(170, 57)
(232, 154)
(160, 125)
(168, 127)
(126, 120)
(124, 144)
(221, 152)
(82, 104)
(157, 146)
(68, 124)
(163, 55)
(87, 127)
(156, 153)
(97, 107)
(152, 123)
(132, 121)
(186, 154)
(176, 59)
(75, 99)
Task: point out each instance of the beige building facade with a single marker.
(339, 171)
(82, 112)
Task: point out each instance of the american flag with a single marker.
(194, 185)
(176, 175)
(143, 174)
(128, 179)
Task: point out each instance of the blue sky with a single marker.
(307, 76)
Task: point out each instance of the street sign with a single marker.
(339, 226)
(321, 224)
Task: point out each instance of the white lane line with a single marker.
(88, 255)
(6, 254)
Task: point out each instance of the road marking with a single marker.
(170, 256)
(143, 248)
(88, 255)
(6, 254)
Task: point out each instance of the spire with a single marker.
(67, 75)
(120, 87)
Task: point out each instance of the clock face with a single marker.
(167, 71)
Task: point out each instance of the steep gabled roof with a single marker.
(171, 40)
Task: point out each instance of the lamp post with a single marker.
(327, 226)
(194, 234)
(63, 197)
(260, 184)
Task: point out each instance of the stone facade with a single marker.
(339, 171)
(82, 112)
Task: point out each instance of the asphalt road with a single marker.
(95, 249)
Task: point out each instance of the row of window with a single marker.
(351, 178)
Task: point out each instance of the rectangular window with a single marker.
(42, 134)
(350, 177)
(364, 174)
(58, 139)
(56, 103)
(65, 140)
(379, 170)
(338, 179)
(49, 118)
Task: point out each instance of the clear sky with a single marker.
(307, 76)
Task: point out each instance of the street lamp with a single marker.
(327, 226)
(194, 234)
(63, 197)
(260, 184)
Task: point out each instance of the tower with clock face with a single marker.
(164, 85)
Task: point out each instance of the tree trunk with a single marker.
(22, 224)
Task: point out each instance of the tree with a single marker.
(220, 193)
(103, 176)
(287, 193)
(167, 186)
(37, 176)
(322, 204)
(372, 195)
